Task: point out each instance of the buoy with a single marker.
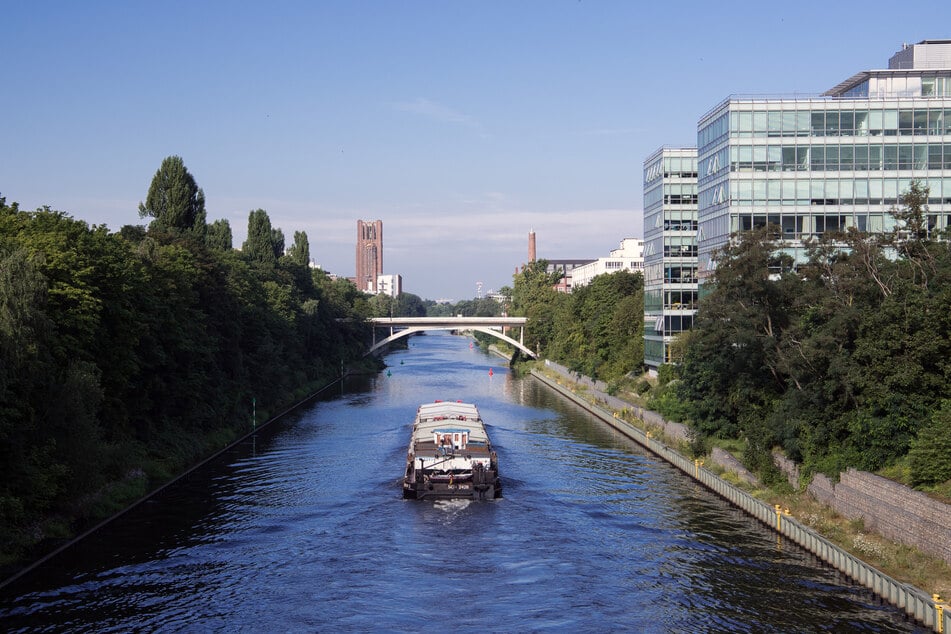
(388, 373)
(490, 372)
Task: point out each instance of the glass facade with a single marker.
(670, 249)
(821, 164)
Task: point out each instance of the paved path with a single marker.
(600, 387)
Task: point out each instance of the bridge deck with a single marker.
(495, 326)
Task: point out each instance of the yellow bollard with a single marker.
(939, 612)
(779, 517)
(696, 465)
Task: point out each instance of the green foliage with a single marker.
(219, 235)
(139, 352)
(259, 247)
(299, 252)
(596, 330)
(175, 201)
(666, 373)
(534, 296)
(930, 455)
(840, 361)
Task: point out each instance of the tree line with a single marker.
(126, 356)
(841, 361)
(596, 330)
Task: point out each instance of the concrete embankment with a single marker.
(916, 603)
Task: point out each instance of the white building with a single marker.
(629, 256)
(390, 285)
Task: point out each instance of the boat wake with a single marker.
(451, 506)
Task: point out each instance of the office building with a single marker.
(842, 159)
(670, 250)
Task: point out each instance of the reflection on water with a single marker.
(304, 529)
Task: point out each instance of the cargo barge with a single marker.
(450, 455)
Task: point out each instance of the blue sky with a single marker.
(462, 125)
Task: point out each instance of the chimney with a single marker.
(531, 245)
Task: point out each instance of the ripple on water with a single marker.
(304, 529)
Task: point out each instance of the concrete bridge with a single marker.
(405, 326)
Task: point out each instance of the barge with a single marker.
(450, 455)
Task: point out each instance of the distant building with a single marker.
(369, 254)
(390, 285)
(498, 297)
(629, 256)
(566, 268)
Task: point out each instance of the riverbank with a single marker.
(885, 567)
(48, 548)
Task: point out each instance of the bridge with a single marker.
(494, 326)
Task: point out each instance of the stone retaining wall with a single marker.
(886, 507)
(895, 511)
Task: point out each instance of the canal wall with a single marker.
(884, 506)
(925, 609)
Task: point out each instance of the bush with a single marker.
(666, 373)
(930, 455)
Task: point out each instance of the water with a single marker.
(304, 529)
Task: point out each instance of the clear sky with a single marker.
(461, 125)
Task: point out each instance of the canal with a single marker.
(303, 528)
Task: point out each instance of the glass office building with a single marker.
(826, 163)
(670, 249)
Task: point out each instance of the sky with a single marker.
(462, 126)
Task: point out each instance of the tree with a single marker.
(259, 247)
(534, 296)
(299, 252)
(175, 201)
(219, 235)
(409, 305)
(930, 455)
(277, 241)
(732, 368)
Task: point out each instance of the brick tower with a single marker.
(369, 254)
